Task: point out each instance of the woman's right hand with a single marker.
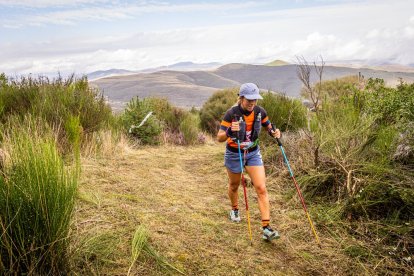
(235, 126)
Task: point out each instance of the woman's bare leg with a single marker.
(234, 183)
(258, 177)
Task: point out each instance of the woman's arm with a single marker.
(221, 136)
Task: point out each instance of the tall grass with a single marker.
(139, 241)
(36, 204)
(56, 101)
(140, 245)
(92, 252)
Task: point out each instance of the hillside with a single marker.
(180, 195)
(192, 88)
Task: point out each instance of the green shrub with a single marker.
(134, 114)
(169, 115)
(390, 105)
(37, 199)
(54, 101)
(339, 88)
(284, 112)
(214, 109)
(190, 128)
(177, 126)
(356, 142)
(383, 199)
(73, 131)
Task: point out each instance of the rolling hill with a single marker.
(192, 88)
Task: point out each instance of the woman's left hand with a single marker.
(275, 133)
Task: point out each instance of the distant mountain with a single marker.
(375, 65)
(185, 66)
(180, 66)
(277, 62)
(107, 73)
(192, 88)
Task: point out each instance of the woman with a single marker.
(242, 124)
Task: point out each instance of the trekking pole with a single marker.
(244, 191)
(299, 192)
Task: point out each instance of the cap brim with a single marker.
(253, 97)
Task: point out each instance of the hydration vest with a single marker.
(256, 127)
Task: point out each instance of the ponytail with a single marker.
(239, 100)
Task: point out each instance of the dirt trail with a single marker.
(180, 195)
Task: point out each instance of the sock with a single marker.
(265, 223)
(235, 207)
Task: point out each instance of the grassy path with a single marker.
(180, 195)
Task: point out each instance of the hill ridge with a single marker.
(193, 88)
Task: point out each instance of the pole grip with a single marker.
(277, 139)
(278, 142)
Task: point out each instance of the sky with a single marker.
(81, 36)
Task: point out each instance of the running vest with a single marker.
(257, 123)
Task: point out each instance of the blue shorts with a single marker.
(232, 160)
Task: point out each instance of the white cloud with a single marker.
(112, 11)
(373, 34)
(336, 32)
(47, 3)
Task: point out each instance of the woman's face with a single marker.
(248, 104)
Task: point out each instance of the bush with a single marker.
(176, 125)
(284, 112)
(37, 199)
(134, 114)
(190, 129)
(214, 109)
(169, 115)
(390, 105)
(356, 142)
(339, 88)
(56, 102)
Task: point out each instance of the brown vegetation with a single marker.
(179, 195)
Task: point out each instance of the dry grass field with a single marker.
(180, 195)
